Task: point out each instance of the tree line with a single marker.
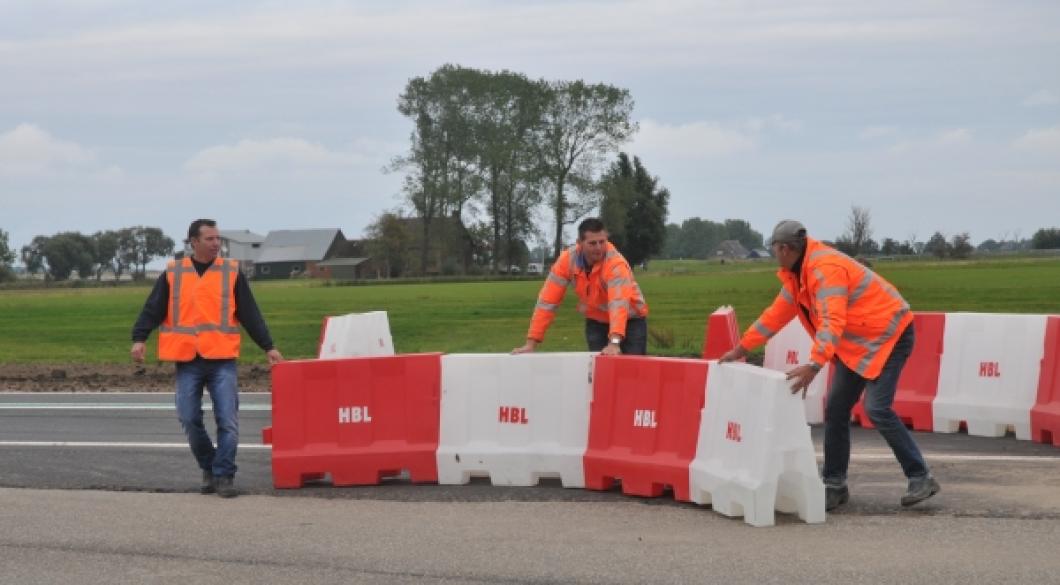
(57, 257)
(857, 241)
(699, 238)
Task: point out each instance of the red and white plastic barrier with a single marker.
(356, 335)
(643, 423)
(1045, 416)
(722, 334)
(919, 381)
(989, 374)
(356, 419)
(754, 453)
(514, 418)
(789, 348)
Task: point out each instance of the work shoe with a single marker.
(920, 489)
(835, 496)
(225, 489)
(207, 485)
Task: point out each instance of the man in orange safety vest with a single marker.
(861, 324)
(614, 308)
(200, 301)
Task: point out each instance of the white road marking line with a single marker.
(259, 446)
(957, 458)
(106, 444)
(114, 406)
(90, 393)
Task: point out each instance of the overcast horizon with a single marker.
(939, 115)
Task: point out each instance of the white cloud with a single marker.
(694, 140)
(773, 122)
(254, 154)
(1042, 97)
(873, 132)
(29, 149)
(954, 137)
(1043, 140)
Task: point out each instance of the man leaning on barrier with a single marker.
(860, 323)
(200, 301)
(616, 316)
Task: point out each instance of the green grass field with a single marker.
(92, 325)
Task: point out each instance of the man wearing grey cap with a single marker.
(860, 323)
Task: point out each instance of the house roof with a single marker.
(731, 248)
(341, 262)
(242, 236)
(298, 245)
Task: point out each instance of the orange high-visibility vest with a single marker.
(201, 319)
(606, 293)
(851, 312)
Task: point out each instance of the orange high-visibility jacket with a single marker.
(851, 312)
(201, 318)
(606, 291)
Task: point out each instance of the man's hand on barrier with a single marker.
(527, 347)
(736, 353)
(611, 349)
(803, 377)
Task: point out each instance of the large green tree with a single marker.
(507, 110)
(105, 254)
(139, 245)
(582, 124)
(441, 178)
(1046, 238)
(61, 254)
(7, 257)
(388, 240)
(634, 208)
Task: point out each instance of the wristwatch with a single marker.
(616, 340)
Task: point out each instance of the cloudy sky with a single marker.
(934, 114)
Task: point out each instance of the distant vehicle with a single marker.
(534, 268)
(513, 269)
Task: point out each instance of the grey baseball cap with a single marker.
(788, 231)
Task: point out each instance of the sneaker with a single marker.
(225, 489)
(207, 484)
(920, 489)
(835, 496)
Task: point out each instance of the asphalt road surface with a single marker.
(102, 488)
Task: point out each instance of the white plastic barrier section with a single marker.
(755, 454)
(989, 373)
(357, 335)
(514, 418)
(789, 348)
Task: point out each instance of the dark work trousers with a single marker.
(634, 343)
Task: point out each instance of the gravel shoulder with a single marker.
(156, 377)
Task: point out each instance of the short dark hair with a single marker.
(193, 229)
(591, 224)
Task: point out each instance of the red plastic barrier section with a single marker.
(644, 424)
(1045, 415)
(722, 333)
(919, 381)
(357, 419)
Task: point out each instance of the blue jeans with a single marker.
(220, 378)
(846, 389)
(634, 343)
